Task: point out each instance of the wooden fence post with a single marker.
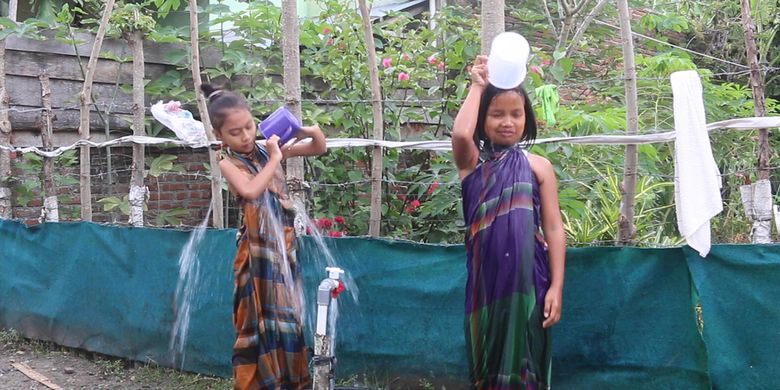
(51, 211)
(762, 191)
(138, 191)
(6, 209)
(626, 222)
(291, 59)
(85, 99)
(492, 22)
(377, 160)
(216, 174)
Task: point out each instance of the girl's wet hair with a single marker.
(491, 91)
(221, 101)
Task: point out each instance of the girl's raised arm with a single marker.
(464, 150)
(314, 148)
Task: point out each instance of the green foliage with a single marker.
(162, 164)
(171, 217)
(32, 168)
(416, 89)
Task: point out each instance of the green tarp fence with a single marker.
(630, 318)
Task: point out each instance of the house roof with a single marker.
(380, 11)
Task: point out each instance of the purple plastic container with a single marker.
(281, 123)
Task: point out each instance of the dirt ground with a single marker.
(71, 368)
(76, 369)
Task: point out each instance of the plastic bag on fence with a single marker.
(181, 122)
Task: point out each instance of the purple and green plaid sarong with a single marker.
(508, 275)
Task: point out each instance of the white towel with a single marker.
(697, 178)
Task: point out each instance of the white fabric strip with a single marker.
(439, 146)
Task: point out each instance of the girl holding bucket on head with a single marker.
(269, 352)
(515, 240)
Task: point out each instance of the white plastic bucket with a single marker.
(508, 60)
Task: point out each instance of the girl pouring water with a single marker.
(269, 351)
(515, 241)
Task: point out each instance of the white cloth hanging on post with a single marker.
(697, 179)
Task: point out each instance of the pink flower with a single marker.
(387, 62)
(405, 57)
(335, 234)
(413, 205)
(433, 187)
(441, 65)
(403, 76)
(546, 62)
(536, 70)
(432, 59)
(339, 220)
(402, 196)
(329, 42)
(326, 30)
(324, 223)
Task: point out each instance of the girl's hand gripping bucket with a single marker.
(281, 123)
(507, 60)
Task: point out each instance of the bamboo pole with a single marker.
(291, 60)
(50, 204)
(628, 190)
(6, 208)
(216, 175)
(85, 185)
(492, 22)
(377, 160)
(138, 191)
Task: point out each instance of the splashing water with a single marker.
(329, 260)
(189, 273)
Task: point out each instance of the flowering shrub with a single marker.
(336, 227)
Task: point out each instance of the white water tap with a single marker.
(334, 272)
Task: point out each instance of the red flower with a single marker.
(335, 234)
(413, 205)
(402, 196)
(441, 65)
(433, 187)
(326, 30)
(339, 220)
(324, 223)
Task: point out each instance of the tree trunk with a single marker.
(6, 210)
(291, 57)
(85, 99)
(492, 22)
(761, 190)
(626, 223)
(377, 160)
(216, 174)
(51, 211)
(138, 190)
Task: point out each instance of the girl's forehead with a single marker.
(508, 97)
